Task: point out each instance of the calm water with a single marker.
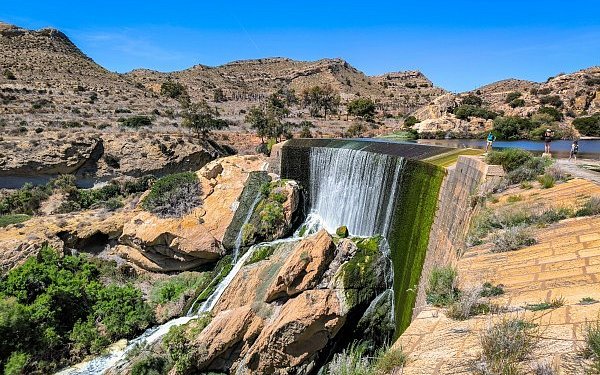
(589, 149)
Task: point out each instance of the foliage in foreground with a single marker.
(442, 289)
(592, 345)
(54, 310)
(174, 195)
(505, 345)
(355, 360)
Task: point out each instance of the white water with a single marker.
(238, 239)
(348, 187)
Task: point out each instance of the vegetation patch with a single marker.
(55, 310)
(554, 304)
(442, 288)
(592, 345)
(358, 360)
(174, 195)
(260, 253)
(512, 238)
(135, 121)
(6, 220)
(174, 287)
(490, 290)
(505, 345)
(590, 207)
(177, 343)
(588, 301)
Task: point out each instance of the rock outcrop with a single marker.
(280, 316)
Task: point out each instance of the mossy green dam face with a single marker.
(373, 187)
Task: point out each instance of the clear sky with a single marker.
(458, 44)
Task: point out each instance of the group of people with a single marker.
(548, 136)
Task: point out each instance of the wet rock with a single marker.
(342, 231)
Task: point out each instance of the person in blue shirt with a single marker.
(490, 139)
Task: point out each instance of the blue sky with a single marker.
(459, 45)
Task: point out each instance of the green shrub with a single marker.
(26, 200)
(553, 112)
(135, 121)
(517, 103)
(589, 126)
(512, 127)
(505, 344)
(592, 345)
(174, 195)
(512, 238)
(177, 342)
(473, 100)
(587, 301)
(174, 287)
(388, 360)
(554, 304)
(261, 253)
(152, 365)
(510, 159)
(6, 220)
(411, 121)
(490, 290)
(466, 111)
(8, 75)
(173, 90)
(547, 181)
(512, 96)
(591, 207)
(51, 303)
(553, 100)
(442, 288)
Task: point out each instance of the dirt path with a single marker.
(576, 169)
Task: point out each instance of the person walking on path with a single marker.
(574, 150)
(547, 139)
(490, 139)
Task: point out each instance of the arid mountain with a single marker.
(47, 80)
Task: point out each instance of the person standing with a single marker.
(574, 150)
(547, 139)
(490, 139)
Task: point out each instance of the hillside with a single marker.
(572, 95)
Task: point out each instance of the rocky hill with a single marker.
(47, 81)
(572, 95)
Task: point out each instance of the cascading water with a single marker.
(239, 238)
(350, 187)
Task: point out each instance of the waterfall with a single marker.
(239, 238)
(353, 188)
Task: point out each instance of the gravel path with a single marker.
(575, 168)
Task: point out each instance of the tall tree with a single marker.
(362, 107)
(319, 98)
(202, 119)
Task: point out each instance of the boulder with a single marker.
(342, 232)
(304, 267)
(302, 328)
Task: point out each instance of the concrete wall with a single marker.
(453, 215)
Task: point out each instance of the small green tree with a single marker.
(219, 96)
(411, 121)
(473, 100)
(257, 118)
(319, 98)
(363, 108)
(512, 96)
(202, 119)
(174, 90)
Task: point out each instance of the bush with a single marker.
(512, 127)
(51, 304)
(6, 220)
(388, 360)
(26, 200)
(592, 345)
(551, 111)
(153, 365)
(547, 181)
(465, 111)
(553, 100)
(512, 238)
(510, 159)
(174, 195)
(173, 90)
(135, 121)
(505, 344)
(15, 365)
(174, 287)
(411, 121)
(473, 100)
(466, 305)
(442, 288)
(590, 208)
(517, 103)
(512, 96)
(589, 126)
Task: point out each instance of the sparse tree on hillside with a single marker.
(219, 96)
(362, 107)
(174, 90)
(473, 100)
(305, 127)
(319, 98)
(202, 119)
